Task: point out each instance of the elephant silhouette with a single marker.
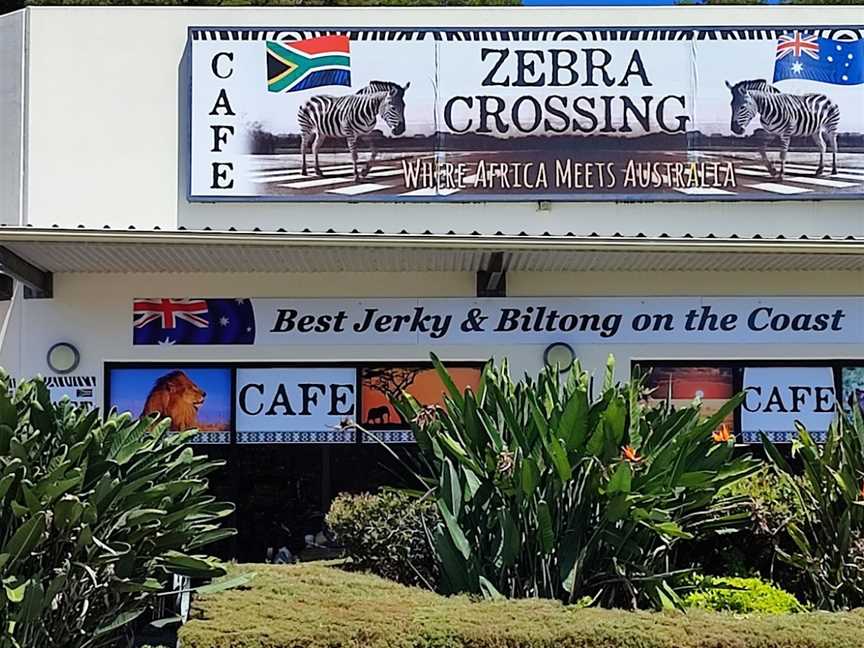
(378, 415)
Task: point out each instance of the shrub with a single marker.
(95, 517)
(771, 505)
(546, 491)
(386, 534)
(828, 540)
(314, 606)
(743, 596)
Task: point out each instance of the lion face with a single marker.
(176, 396)
(187, 391)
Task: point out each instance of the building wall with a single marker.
(107, 137)
(12, 39)
(94, 313)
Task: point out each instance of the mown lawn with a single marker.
(319, 606)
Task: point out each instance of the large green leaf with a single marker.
(451, 488)
(456, 577)
(510, 538)
(614, 421)
(774, 454)
(444, 375)
(530, 477)
(546, 531)
(193, 566)
(25, 538)
(621, 479)
(119, 621)
(573, 425)
(559, 459)
(457, 537)
(713, 422)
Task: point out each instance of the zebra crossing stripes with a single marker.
(774, 187)
(431, 192)
(358, 189)
(281, 175)
(276, 178)
(306, 182)
(315, 182)
(809, 180)
(704, 191)
(843, 174)
(272, 172)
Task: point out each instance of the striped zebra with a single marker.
(352, 117)
(786, 116)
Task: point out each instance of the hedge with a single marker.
(316, 605)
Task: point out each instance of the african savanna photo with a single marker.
(380, 385)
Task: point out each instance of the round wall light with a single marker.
(63, 358)
(560, 355)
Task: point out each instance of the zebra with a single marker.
(352, 117)
(786, 116)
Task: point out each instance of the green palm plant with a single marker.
(546, 491)
(96, 516)
(828, 534)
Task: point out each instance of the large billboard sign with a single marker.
(511, 320)
(536, 114)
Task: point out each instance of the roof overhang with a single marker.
(56, 250)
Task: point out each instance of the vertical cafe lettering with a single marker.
(222, 67)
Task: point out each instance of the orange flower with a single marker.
(862, 491)
(628, 453)
(722, 435)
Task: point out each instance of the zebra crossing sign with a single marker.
(444, 114)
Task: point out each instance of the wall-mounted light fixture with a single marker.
(560, 355)
(63, 358)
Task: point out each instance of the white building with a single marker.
(109, 194)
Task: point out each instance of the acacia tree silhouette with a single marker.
(390, 381)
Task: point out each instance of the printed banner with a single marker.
(282, 403)
(429, 322)
(79, 389)
(380, 385)
(682, 384)
(193, 397)
(434, 114)
(296, 405)
(852, 381)
(777, 397)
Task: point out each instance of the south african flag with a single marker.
(310, 63)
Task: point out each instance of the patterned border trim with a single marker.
(528, 35)
(298, 436)
(390, 436)
(211, 438)
(780, 436)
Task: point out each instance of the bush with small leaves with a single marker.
(386, 534)
(742, 596)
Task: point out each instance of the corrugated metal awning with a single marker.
(183, 251)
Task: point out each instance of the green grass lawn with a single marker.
(319, 606)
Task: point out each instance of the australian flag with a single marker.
(806, 56)
(193, 321)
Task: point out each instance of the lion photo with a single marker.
(194, 398)
(174, 395)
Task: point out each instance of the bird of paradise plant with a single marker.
(547, 490)
(829, 539)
